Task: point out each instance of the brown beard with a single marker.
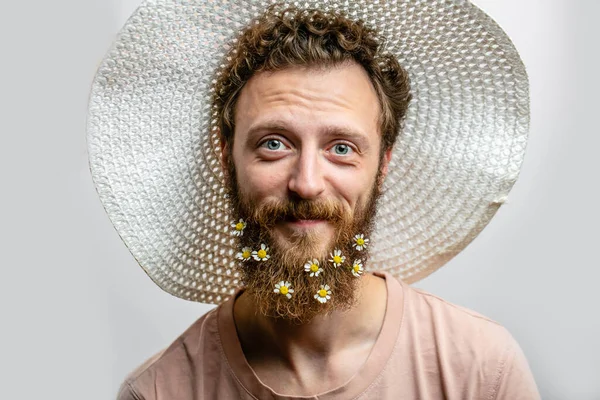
(286, 262)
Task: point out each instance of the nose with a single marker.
(306, 180)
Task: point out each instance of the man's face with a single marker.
(311, 137)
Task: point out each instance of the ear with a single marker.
(224, 156)
(385, 162)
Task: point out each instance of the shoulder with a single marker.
(178, 360)
(468, 345)
(452, 318)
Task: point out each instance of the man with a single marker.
(308, 109)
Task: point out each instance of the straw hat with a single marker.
(154, 152)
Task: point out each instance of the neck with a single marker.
(281, 342)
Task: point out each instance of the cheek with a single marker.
(261, 181)
(353, 186)
(254, 180)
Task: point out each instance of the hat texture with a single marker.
(154, 149)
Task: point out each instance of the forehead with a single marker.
(305, 99)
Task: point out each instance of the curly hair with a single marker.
(295, 37)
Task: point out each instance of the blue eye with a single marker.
(342, 149)
(273, 144)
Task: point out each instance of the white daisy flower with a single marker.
(238, 227)
(262, 254)
(284, 288)
(360, 242)
(313, 267)
(323, 294)
(245, 254)
(337, 258)
(357, 268)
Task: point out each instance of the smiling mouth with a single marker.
(305, 223)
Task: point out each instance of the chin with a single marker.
(315, 240)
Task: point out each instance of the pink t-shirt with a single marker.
(427, 349)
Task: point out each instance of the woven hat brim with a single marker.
(154, 152)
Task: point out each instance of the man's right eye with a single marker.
(273, 144)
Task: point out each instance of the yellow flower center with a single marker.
(314, 268)
(360, 241)
(322, 293)
(246, 254)
(283, 290)
(356, 267)
(337, 259)
(261, 253)
(239, 226)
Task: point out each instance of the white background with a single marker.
(77, 313)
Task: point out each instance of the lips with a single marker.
(306, 222)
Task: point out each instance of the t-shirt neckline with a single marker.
(365, 376)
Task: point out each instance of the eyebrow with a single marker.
(344, 132)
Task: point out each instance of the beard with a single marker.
(287, 256)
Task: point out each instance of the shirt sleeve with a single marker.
(516, 381)
(127, 392)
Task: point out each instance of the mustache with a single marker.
(270, 212)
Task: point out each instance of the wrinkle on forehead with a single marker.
(304, 97)
(299, 92)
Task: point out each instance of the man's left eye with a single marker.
(342, 149)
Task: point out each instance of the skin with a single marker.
(310, 133)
